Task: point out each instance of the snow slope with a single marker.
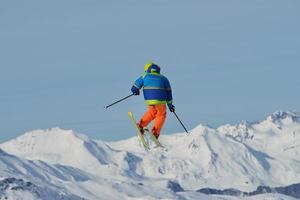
(61, 146)
(37, 179)
(243, 156)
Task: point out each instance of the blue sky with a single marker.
(61, 62)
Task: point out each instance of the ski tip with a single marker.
(129, 113)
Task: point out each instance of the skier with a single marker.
(157, 93)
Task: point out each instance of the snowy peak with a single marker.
(60, 146)
(284, 117)
(251, 154)
(242, 131)
(276, 123)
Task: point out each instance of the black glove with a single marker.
(135, 90)
(171, 107)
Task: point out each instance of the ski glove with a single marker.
(135, 90)
(171, 107)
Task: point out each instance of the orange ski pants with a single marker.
(157, 113)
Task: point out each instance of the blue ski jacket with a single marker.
(156, 87)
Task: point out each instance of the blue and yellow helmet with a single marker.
(151, 67)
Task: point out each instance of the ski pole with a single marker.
(180, 122)
(119, 101)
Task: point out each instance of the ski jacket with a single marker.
(156, 87)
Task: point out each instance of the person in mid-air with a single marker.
(157, 93)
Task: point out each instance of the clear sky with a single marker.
(62, 61)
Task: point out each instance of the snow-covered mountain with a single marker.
(243, 157)
(25, 179)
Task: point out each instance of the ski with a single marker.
(155, 140)
(139, 134)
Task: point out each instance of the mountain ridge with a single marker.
(251, 154)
